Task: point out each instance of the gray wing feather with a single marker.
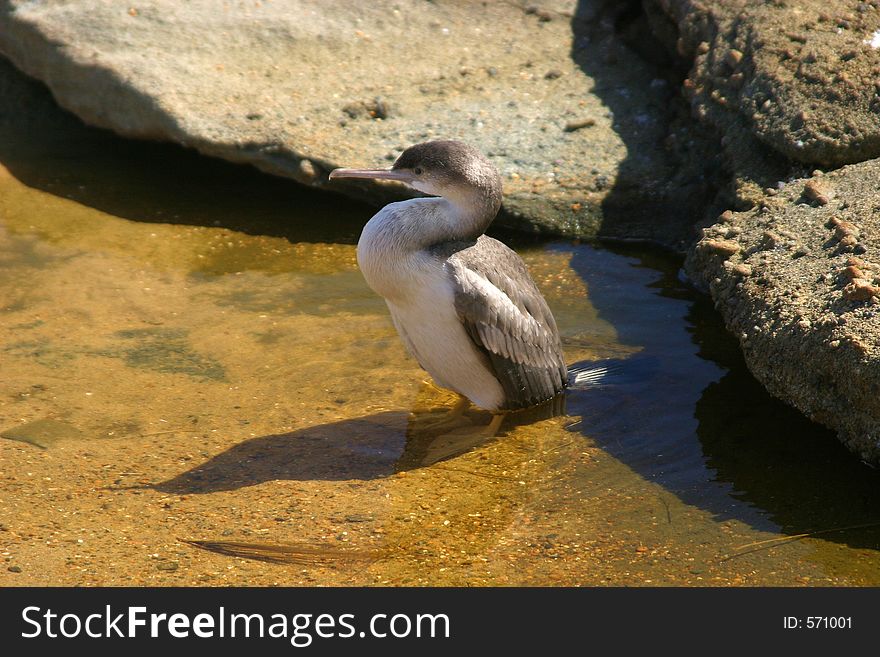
(505, 315)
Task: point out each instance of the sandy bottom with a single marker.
(166, 383)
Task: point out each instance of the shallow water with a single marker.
(189, 353)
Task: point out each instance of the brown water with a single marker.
(189, 353)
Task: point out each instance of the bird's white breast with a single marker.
(420, 297)
(430, 328)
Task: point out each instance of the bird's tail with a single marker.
(587, 375)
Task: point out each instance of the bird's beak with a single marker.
(400, 175)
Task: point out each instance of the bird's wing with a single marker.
(505, 315)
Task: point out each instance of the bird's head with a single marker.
(451, 169)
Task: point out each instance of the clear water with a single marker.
(189, 353)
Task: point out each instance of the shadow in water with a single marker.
(779, 461)
(369, 447)
(47, 148)
(685, 413)
(361, 448)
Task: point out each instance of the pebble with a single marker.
(733, 58)
(852, 261)
(353, 110)
(378, 108)
(816, 191)
(360, 517)
(724, 247)
(772, 239)
(741, 269)
(167, 565)
(543, 15)
(848, 243)
(845, 229)
(571, 126)
(861, 289)
(307, 169)
(853, 272)
(14, 569)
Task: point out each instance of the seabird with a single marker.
(463, 303)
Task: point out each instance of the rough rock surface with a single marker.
(790, 86)
(803, 76)
(798, 281)
(573, 118)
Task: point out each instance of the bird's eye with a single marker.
(418, 171)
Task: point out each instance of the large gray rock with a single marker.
(798, 281)
(574, 120)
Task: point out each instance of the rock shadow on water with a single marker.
(777, 460)
(50, 149)
(685, 413)
(671, 173)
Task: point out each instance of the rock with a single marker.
(809, 325)
(814, 190)
(861, 289)
(801, 76)
(844, 229)
(724, 248)
(297, 88)
(732, 58)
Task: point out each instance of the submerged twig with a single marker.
(284, 553)
(159, 433)
(780, 540)
(473, 472)
(668, 511)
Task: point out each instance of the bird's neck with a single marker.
(420, 223)
(470, 214)
(393, 243)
